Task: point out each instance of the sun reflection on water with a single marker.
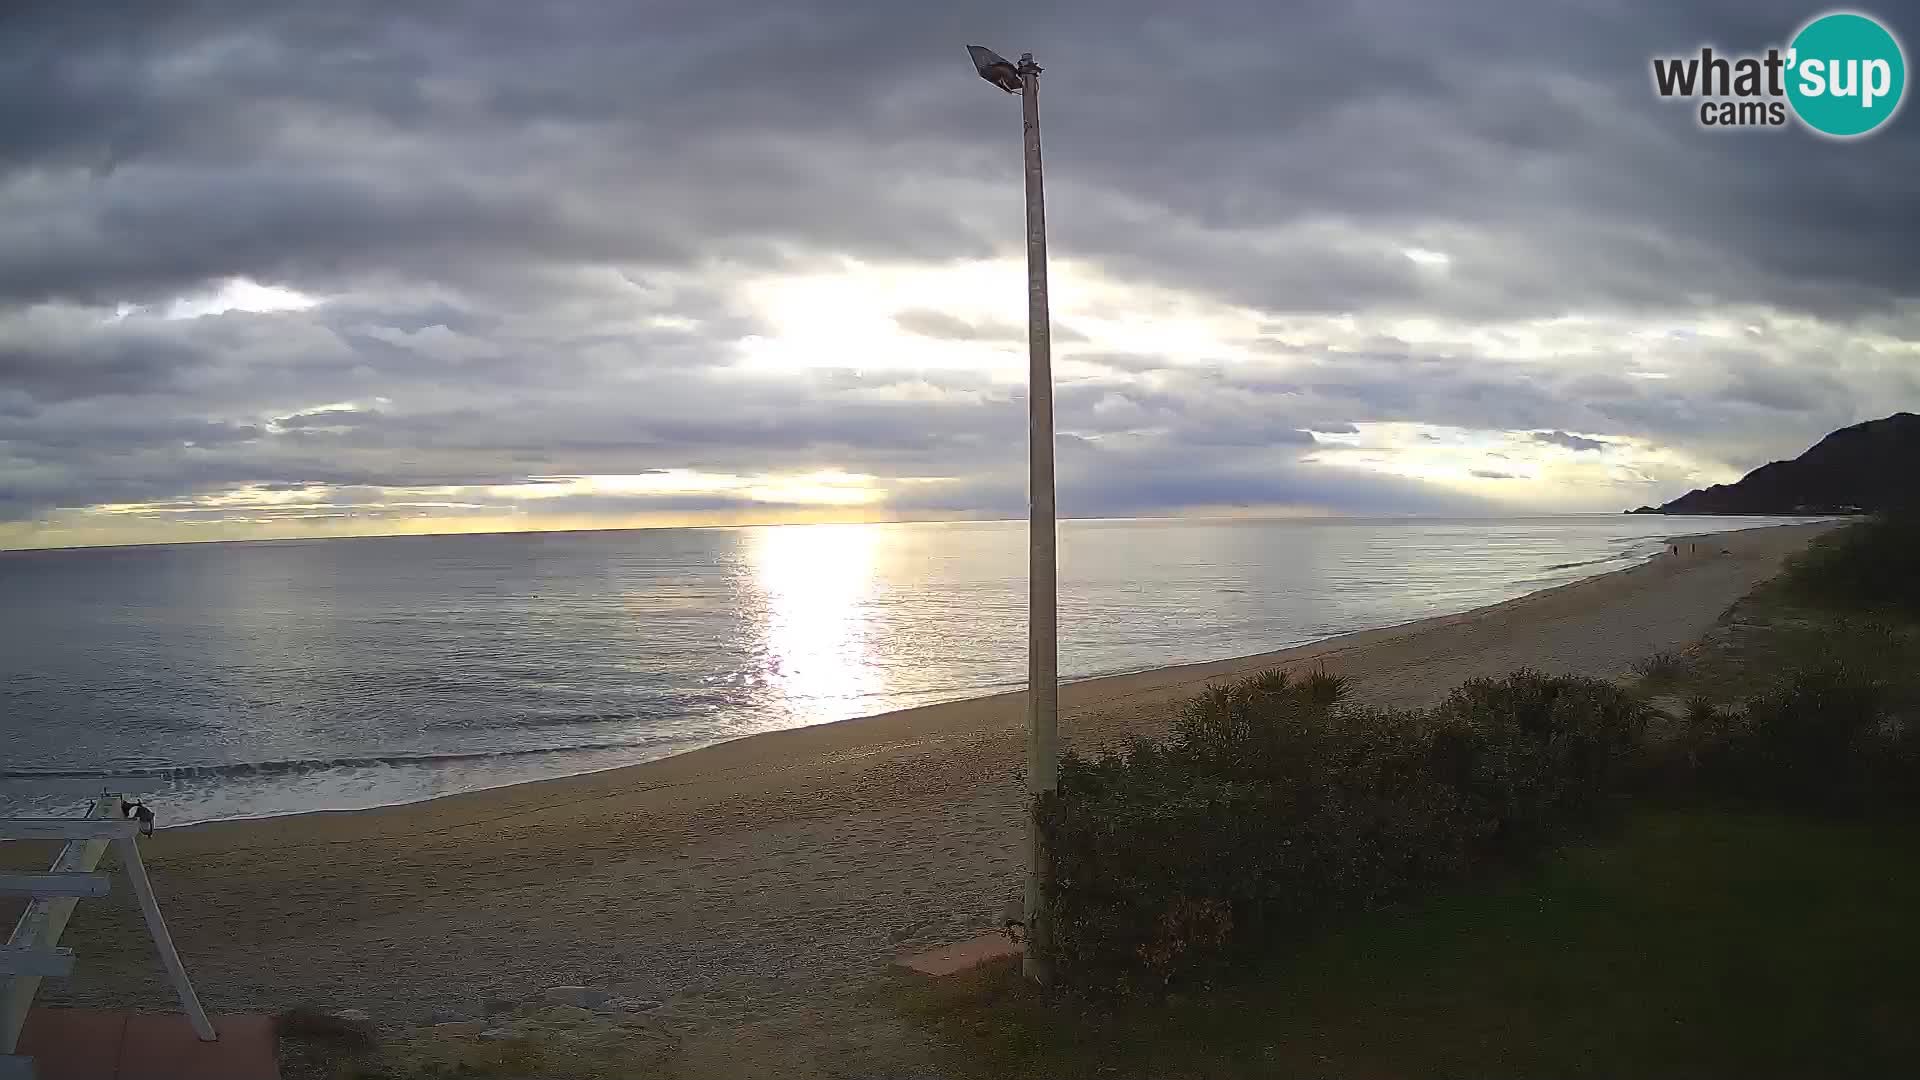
(817, 582)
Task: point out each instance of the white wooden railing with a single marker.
(33, 952)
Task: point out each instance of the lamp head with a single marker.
(995, 68)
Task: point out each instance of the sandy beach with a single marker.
(732, 876)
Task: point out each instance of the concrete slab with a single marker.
(93, 1044)
(964, 956)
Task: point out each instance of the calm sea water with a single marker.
(277, 677)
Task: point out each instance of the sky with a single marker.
(275, 269)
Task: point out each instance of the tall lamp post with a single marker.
(1043, 632)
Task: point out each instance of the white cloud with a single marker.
(1517, 468)
(239, 294)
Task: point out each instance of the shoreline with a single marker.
(1284, 654)
(342, 768)
(773, 867)
(1264, 658)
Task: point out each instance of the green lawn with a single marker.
(1693, 943)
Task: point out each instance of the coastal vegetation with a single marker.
(1870, 568)
(1274, 806)
(1688, 941)
(1702, 868)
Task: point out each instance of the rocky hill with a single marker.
(1868, 467)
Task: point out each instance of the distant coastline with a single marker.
(1798, 512)
(1863, 469)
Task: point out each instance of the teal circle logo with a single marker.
(1845, 74)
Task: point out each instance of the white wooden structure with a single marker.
(33, 952)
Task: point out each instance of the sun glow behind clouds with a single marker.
(233, 294)
(1519, 468)
(897, 333)
(827, 487)
(640, 498)
(240, 294)
(860, 316)
(845, 318)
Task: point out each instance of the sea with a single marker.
(254, 679)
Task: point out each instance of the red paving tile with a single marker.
(953, 959)
(73, 1044)
(89, 1044)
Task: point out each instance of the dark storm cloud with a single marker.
(55, 438)
(62, 363)
(1214, 417)
(1779, 388)
(1414, 386)
(76, 453)
(1131, 483)
(318, 140)
(528, 223)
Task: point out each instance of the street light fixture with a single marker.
(1043, 630)
(995, 68)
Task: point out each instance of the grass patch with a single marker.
(1771, 632)
(1870, 566)
(1698, 943)
(1847, 603)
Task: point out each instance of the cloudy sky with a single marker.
(276, 268)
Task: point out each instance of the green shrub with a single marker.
(1870, 566)
(1274, 804)
(1824, 738)
(1704, 730)
(1545, 749)
(1661, 668)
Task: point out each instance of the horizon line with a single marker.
(811, 524)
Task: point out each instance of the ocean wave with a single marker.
(540, 720)
(312, 765)
(1583, 562)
